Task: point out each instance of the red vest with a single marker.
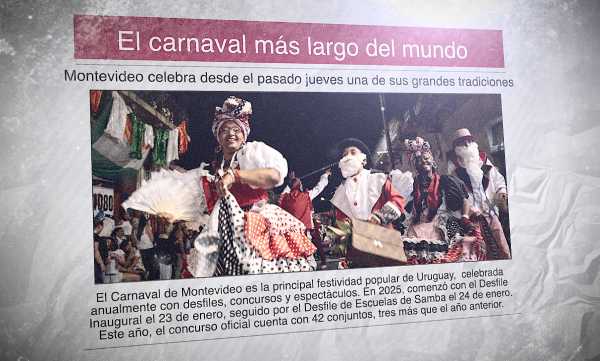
(243, 193)
(299, 205)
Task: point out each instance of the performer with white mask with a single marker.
(486, 186)
(363, 194)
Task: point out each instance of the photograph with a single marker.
(203, 184)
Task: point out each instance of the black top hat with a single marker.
(353, 142)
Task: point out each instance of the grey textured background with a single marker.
(551, 133)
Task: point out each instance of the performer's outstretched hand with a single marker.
(502, 201)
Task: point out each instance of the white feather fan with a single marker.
(177, 196)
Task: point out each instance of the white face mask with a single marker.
(469, 158)
(351, 164)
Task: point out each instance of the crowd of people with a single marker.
(130, 249)
(443, 217)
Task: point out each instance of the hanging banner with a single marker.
(137, 38)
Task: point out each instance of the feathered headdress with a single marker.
(417, 148)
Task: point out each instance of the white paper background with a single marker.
(551, 135)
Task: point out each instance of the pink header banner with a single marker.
(168, 39)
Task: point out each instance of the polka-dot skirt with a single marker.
(268, 241)
(275, 233)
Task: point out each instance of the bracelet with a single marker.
(388, 213)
